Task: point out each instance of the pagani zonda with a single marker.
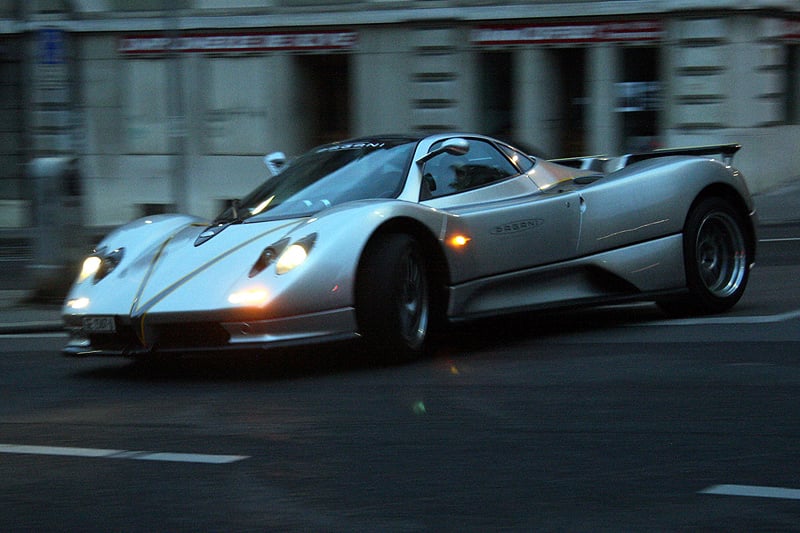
(385, 237)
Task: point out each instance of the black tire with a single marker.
(717, 257)
(393, 297)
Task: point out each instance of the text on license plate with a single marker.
(99, 324)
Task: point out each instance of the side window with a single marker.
(524, 162)
(449, 174)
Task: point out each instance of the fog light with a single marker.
(249, 297)
(78, 303)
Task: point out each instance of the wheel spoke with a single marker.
(413, 304)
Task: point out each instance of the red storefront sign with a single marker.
(238, 42)
(568, 33)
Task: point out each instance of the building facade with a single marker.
(173, 108)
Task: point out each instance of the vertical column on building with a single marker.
(793, 64)
(728, 87)
(537, 91)
(178, 134)
(756, 63)
(380, 100)
(57, 184)
(437, 87)
(13, 191)
(603, 122)
(50, 100)
(702, 76)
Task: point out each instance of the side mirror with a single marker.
(455, 146)
(275, 162)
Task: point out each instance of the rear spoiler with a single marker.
(610, 164)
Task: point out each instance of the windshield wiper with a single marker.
(235, 205)
(220, 223)
(222, 219)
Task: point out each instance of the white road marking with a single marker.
(781, 239)
(120, 454)
(753, 491)
(722, 320)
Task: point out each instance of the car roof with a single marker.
(378, 138)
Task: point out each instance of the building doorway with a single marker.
(323, 89)
(571, 68)
(495, 91)
(639, 98)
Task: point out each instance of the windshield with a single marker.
(328, 176)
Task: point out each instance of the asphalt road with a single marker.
(605, 419)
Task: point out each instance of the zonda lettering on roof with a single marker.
(351, 146)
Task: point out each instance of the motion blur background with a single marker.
(116, 109)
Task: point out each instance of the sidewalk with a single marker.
(779, 205)
(18, 314)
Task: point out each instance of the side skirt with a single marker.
(641, 271)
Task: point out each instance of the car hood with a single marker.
(161, 261)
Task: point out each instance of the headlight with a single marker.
(285, 256)
(101, 264)
(90, 267)
(294, 256)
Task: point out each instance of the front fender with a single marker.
(327, 279)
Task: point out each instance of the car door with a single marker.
(621, 212)
(510, 224)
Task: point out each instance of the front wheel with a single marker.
(393, 304)
(717, 259)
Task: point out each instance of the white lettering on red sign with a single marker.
(640, 30)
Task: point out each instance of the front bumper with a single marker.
(205, 336)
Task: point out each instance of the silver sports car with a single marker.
(387, 238)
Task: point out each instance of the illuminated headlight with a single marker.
(295, 254)
(285, 256)
(291, 258)
(90, 267)
(101, 264)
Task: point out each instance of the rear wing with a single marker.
(725, 153)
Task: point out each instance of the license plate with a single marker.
(99, 324)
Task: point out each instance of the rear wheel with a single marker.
(393, 303)
(717, 259)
